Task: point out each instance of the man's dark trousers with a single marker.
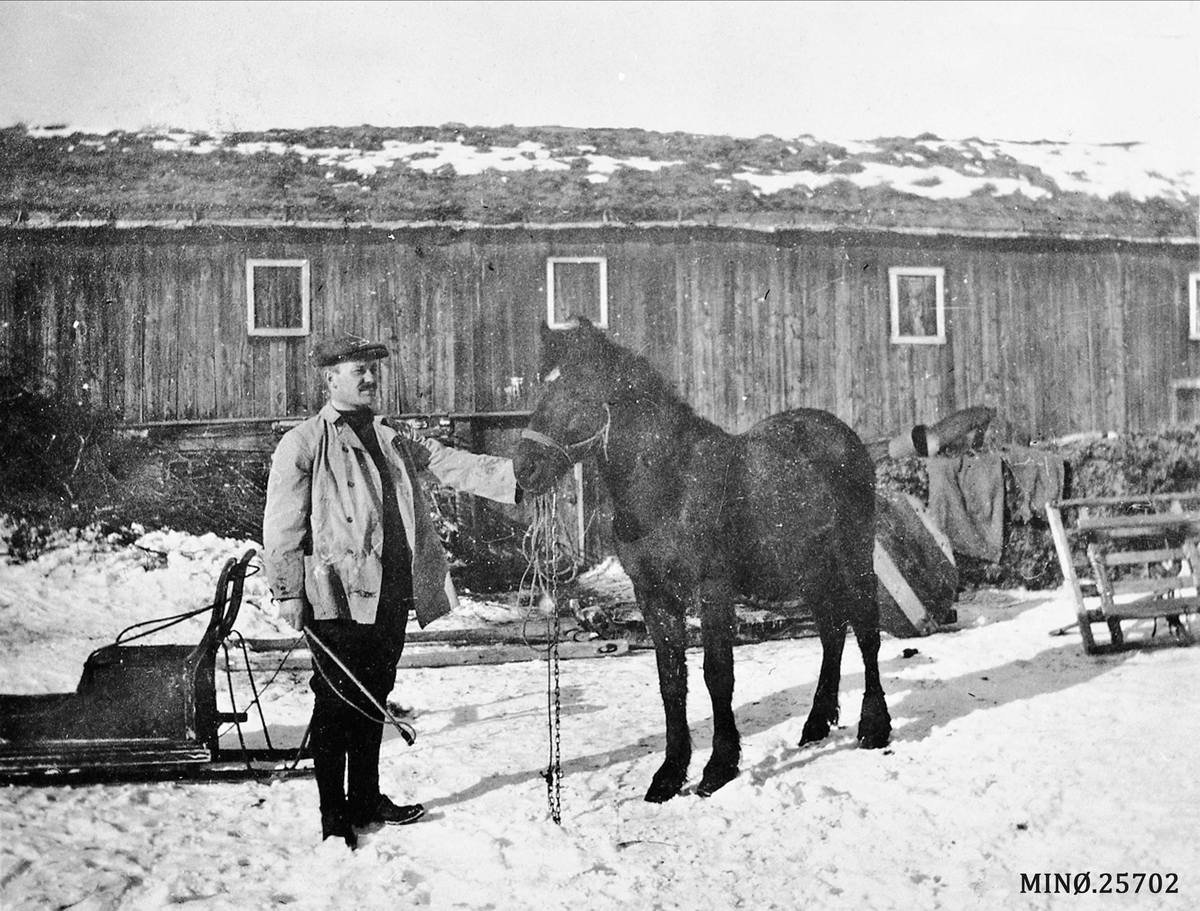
(346, 738)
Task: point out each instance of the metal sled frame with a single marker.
(1142, 563)
(140, 712)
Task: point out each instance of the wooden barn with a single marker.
(887, 308)
(212, 323)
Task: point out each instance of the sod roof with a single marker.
(459, 175)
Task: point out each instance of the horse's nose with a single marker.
(523, 465)
(530, 469)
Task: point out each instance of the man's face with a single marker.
(353, 384)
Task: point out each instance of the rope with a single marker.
(165, 623)
(233, 705)
(550, 559)
(256, 703)
(258, 694)
(175, 619)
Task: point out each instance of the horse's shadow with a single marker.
(927, 703)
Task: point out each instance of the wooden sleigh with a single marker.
(1135, 558)
(141, 711)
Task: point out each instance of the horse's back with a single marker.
(813, 442)
(807, 496)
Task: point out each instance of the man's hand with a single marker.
(295, 612)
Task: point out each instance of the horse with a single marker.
(783, 511)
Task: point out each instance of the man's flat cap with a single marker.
(347, 348)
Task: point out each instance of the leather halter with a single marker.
(573, 452)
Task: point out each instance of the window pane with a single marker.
(576, 291)
(1194, 304)
(278, 299)
(1187, 406)
(918, 305)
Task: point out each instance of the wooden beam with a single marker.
(448, 655)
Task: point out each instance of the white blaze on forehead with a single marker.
(553, 375)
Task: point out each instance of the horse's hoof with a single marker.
(874, 729)
(874, 742)
(714, 780)
(814, 731)
(668, 781)
(874, 734)
(660, 794)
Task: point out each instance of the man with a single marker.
(350, 548)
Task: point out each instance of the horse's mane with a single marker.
(636, 373)
(634, 377)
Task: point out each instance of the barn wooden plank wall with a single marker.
(1058, 336)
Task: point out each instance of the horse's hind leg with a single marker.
(668, 628)
(824, 714)
(875, 724)
(719, 628)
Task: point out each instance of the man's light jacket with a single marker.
(323, 525)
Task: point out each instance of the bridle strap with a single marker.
(548, 442)
(573, 452)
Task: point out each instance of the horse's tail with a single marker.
(856, 555)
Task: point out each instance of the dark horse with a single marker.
(783, 511)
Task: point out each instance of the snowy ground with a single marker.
(1014, 754)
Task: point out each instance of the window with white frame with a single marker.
(576, 286)
(277, 301)
(918, 305)
(1194, 306)
(1185, 401)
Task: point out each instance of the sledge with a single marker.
(143, 711)
(1142, 562)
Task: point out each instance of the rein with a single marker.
(573, 452)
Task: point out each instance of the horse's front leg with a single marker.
(667, 625)
(720, 627)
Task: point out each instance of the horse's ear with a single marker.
(589, 337)
(577, 337)
(552, 342)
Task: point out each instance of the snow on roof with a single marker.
(1103, 170)
(1098, 170)
(922, 182)
(932, 183)
(427, 156)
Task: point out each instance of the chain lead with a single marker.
(554, 707)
